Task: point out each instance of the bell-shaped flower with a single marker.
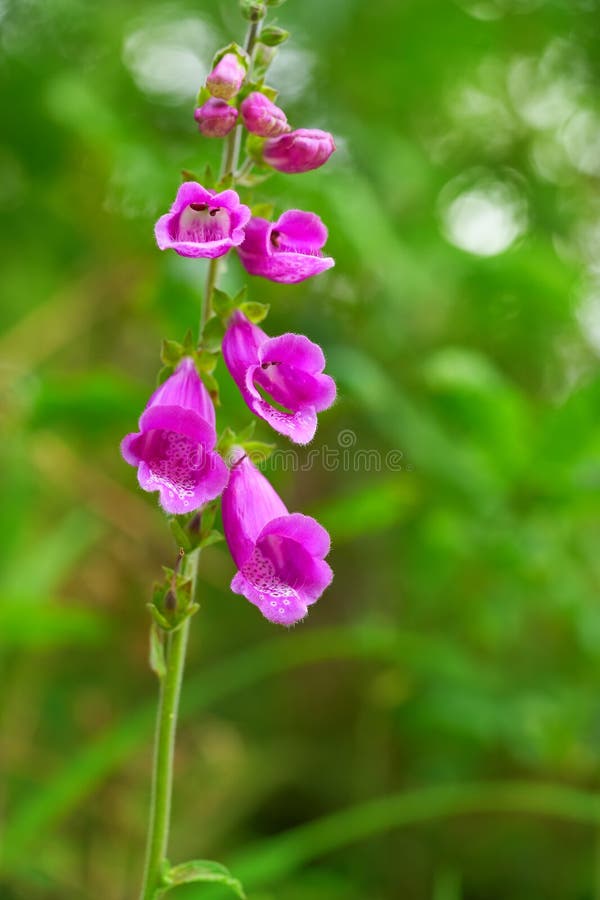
(262, 117)
(202, 223)
(174, 448)
(216, 118)
(281, 379)
(227, 77)
(299, 151)
(279, 555)
(288, 250)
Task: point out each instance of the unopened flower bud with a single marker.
(216, 118)
(253, 10)
(262, 117)
(299, 151)
(226, 78)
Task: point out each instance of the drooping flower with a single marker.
(202, 223)
(226, 78)
(299, 151)
(262, 117)
(288, 250)
(216, 117)
(279, 555)
(285, 371)
(174, 448)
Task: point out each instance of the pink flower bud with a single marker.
(299, 151)
(262, 117)
(226, 78)
(216, 118)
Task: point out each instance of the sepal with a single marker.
(172, 600)
(272, 36)
(253, 10)
(236, 50)
(198, 871)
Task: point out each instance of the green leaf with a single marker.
(272, 36)
(179, 533)
(258, 451)
(248, 432)
(201, 870)
(222, 303)
(254, 147)
(171, 352)
(157, 651)
(213, 537)
(212, 334)
(203, 96)
(212, 386)
(189, 344)
(163, 374)
(235, 48)
(254, 311)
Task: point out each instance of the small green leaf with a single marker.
(274, 3)
(272, 36)
(203, 96)
(235, 48)
(171, 352)
(254, 147)
(254, 311)
(188, 175)
(206, 360)
(213, 537)
(201, 870)
(248, 432)
(179, 533)
(212, 386)
(222, 303)
(157, 651)
(189, 344)
(212, 335)
(163, 374)
(258, 451)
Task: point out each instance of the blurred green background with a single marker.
(460, 641)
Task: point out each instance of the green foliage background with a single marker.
(460, 641)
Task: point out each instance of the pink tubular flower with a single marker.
(174, 448)
(288, 250)
(288, 368)
(280, 556)
(201, 223)
(261, 116)
(226, 78)
(299, 151)
(216, 118)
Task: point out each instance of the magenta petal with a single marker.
(174, 448)
(287, 251)
(249, 503)
(201, 223)
(281, 565)
(287, 368)
(304, 529)
(304, 230)
(186, 389)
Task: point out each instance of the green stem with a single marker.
(209, 286)
(164, 750)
